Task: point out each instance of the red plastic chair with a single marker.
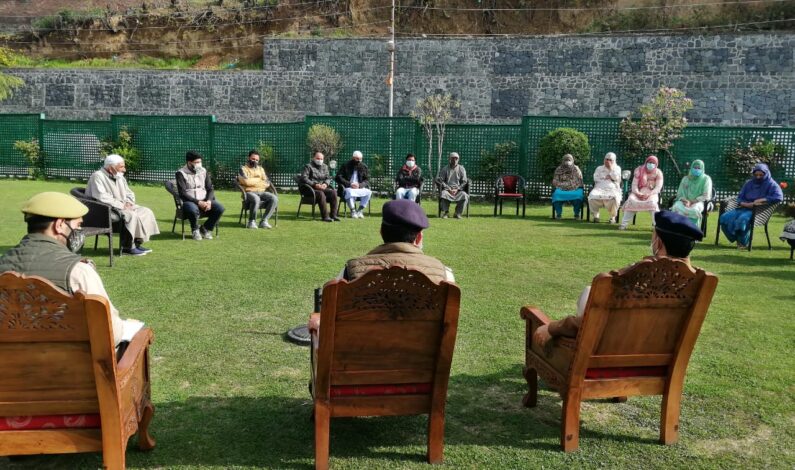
(511, 187)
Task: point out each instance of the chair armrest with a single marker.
(532, 312)
(134, 354)
(272, 187)
(314, 323)
(99, 213)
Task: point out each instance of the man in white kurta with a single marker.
(109, 186)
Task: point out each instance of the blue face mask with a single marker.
(696, 172)
(650, 166)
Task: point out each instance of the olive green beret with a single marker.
(55, 205)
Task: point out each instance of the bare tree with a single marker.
(434, 112)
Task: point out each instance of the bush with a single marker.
(558, 143)
(493, 163)
(322, 138)
(32, 152)
(267, 157)
(123, 146)
(741, 157)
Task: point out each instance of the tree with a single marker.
(8, 83)
(324, 139)
(433, 113)
(661, 122)
(559, 142)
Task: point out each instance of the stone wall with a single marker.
(733, 79)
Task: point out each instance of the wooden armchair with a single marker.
(637, 333)
(382, 346)
(61, 389)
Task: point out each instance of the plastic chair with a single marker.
(511, 187)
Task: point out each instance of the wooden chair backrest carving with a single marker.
(58, 357)
(648, 314)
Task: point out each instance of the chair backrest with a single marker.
(648, 314)
(762, 214)
(510, 183)
(171, 187)
(79, 193)
(306, 191)
(391, 326)
(54, 348)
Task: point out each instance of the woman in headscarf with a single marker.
(568, 187)
(694, 190)
(606, 190)
(759, 190)
(647, 183)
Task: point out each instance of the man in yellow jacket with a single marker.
(255, 182)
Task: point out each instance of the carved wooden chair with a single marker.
(62, 389)
(382, 346)
(637, 333)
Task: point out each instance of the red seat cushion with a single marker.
(387, 389)
(510, 195)
(19, 423)
(621, 372)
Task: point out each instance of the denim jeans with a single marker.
(407, 193)
(190, 210)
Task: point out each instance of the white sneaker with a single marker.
(252, 224)
(206, 234)
(622, 227)
(612, 220)
(361, 213)
(265, 224)
(197, 235)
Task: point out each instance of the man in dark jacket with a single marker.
(354, 180)
(409, 179)
(198, 197)
(316, 175)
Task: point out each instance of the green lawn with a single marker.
(230, 392)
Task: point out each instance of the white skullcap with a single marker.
(610, 156)
(112, 159)
(357, 154)
(454, 155)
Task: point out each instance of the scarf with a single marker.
(765, 188)
(567, 177)
(641, 173)
(691, 186)
(410, 170)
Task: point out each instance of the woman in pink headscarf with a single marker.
(646, 186)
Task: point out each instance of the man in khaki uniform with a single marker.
(50, 250)
(401, 229)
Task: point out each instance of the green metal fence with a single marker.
(72, 148)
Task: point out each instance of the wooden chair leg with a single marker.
(145, 440)
(531, 397)
(113, 450)
(570, 425)
(669, 417)
(436, 436)
(322, 425)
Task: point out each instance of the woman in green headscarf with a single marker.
(694, 190)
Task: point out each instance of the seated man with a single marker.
(674, 236)
(401, 229)
(198, 197)
(254, 181)
(354, 178)
(316, 175)
(409, 179)
(109, 186)
(50, 248)
(451, 180)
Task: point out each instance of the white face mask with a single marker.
(650, 166)
(410, 163)
(318, 162)
(568, 163)
(197, 166)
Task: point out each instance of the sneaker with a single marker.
(327, 219)
(457, 216)
(335, 219)
(143, 248)
(134, 251)
(206, 234)
(595, 220)
(612, 220)
(361, 212)
(622, 227)
(445, 215)
(264, 224)
(197, 235)
(252, 224)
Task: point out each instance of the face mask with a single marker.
(75, 239)
(568, 163)
(410, 164)
(453, 163)
(696, 172)
(650, 166)
(318, 162)
(253, 163)
(196, 166)
(356, 162)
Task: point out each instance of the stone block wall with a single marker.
(733, 79)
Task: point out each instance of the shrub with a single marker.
(32, 152)
(267, 157)
(8, 83)
(322, 138)
(494, 162)
(741, 157)
(123, 146)
(559, 142)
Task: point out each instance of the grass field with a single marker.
(230, 392)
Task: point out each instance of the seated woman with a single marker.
(694, 190)
(568, 187)
(606, 190)
(647, 183)
(759, 190)
(409, 179)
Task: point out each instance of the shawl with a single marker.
(567, 177)
(641, 172)
(691, 186)
(766, 188)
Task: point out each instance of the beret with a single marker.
(405, 213)
(55, 205)
(677, 224)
